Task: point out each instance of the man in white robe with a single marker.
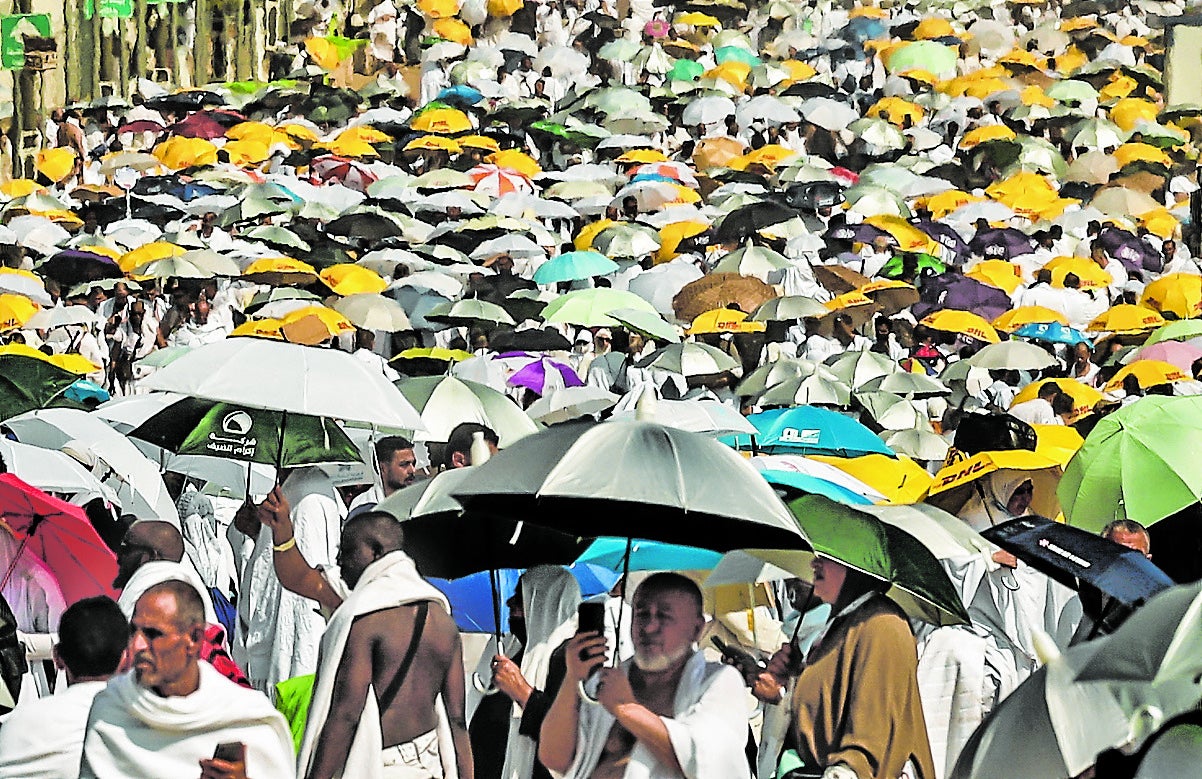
(168, 715)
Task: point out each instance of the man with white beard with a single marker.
(667, 713)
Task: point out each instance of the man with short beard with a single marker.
(666, 714)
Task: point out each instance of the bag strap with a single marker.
(419, 625)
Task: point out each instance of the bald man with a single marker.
(152, 552)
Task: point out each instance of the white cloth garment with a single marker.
(707, 732)
(43, 737)
(416, 759)
(157, 572)
(387, 583)
(282, 629)
(550, 596)
(132, 731)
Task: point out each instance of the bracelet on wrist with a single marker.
(284, 547)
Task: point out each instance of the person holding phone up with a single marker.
(667, 713)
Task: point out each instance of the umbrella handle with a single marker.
(481, 687)
(585, 697)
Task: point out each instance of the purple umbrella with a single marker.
(964, 294)
(858, 233)
(1131, 250)
(1001, 243)
(945, 235)
(543, 375)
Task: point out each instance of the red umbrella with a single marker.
(60, 535)
(199, 125)
(140, 126)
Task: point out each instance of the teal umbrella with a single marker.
(736, 54)
(574, 266)
(194, 426)
(646, 555)
(685, 70)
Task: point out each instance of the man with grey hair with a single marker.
(666, 713)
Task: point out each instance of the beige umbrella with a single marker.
(1116, 201)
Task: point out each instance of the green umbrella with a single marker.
(194, 426)
(591, 307)
(893, 268)
(645, 323)
(923, 55)
(470, 313)
(1181, 330)
(685, 70)
(884, 551)
(28, 384)
(1138, 463)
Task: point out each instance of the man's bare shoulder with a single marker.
(396, 623)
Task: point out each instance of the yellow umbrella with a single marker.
(642, 156)
(313, 325)
(1148, 373)
(433, 143)
(724, 320)
(1075, 23)
(920, 75)
(454, 30)
(848, 300)
(503, 8)
(445, 121)
(983, 88)
(364, 132)
(770, 156)
(1070, 60)
(15, 311)
(732, 72)
(1084, 396)
(1016, 318)
(716, 152)
(150, 252)
(481, 142)
(434, 353)
(1160, 223)
(254, 131)
(896, 110)
(1041, 468)
(965, 323)
(103, 251)
(178, 152)
(1088, 271)
(991, 132)
(1126, 319)
(1034, 95)
(1177, 293)
(299, 133)
(57, 163)
(259, 328)
(697, 19)
(671, 236)
(73, 363)
(899, 479)
(909, 238)
(1057, 442)
(798, 71)
(280, 270)
(1119, 87)
(246, 152)
(20, 188)
(1140, 152)
(324, 52)
(516, 160)
(934, 27)
(350, 147)
(349, 279)
(438, 9)
(1021, 57)
(584, 239)
(943, 203)
(997, 273)
(1025, 190)
(1129, 111)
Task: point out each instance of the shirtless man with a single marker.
(375, 650)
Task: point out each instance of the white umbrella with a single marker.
(447, 401)
(708, 110)
(28, 285)
(114, 460)
(766, 109)
(662, 283)
(696, 416)
(827, 113)
(50, 318)
(570, 403)
(917, 443)
(288, 377)
(513, 244)
(54, 472)
(1013, 355)
(435, 281)
(372, 311)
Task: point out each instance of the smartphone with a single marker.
(746, 662)
(590, 617)
(230, 751)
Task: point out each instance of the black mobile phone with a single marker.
(230, 751)
(590, 617)
(746, 662)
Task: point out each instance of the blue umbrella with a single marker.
(86, 392)
(574, 266)
(812, 485)
(461, 95)
(471, 596)
(863, 28)
(1052, 332)
(812, 430)
(609, 553)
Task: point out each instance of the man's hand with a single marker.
(585, 653)
(222, 769)
(508, 679)
(246, 519)
(768, 688)
(275, 513)
(1003, 557)
(614, 690)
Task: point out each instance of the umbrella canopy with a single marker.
(59, 535)
(28, 383)
(1149, 442)
(288, 377)
(591, 307)
(811, 430)
(574, 266)
(689, 359)
(1014, 355)
(542, 375)
(446, 401)
(571, 403)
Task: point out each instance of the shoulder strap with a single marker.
(419, 625)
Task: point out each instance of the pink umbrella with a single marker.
(1183, 355)
(657, 28)
(58, 534)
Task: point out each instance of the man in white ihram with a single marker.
(174, 716)
(667, 714)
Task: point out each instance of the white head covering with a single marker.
(987, 506)
(550, 595)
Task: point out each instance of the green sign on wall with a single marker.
(120, 9)
(13, 30)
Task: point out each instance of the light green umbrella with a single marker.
(788, 308)
(771, 374)
(736, 54)
(923, 55)
(685, 70)
(752, 260)
(446, 401)
(689, 359)
(646, 324)
(1181, 330)
(1071, 89)
(1138, 463)
(620, 50)
(591, 307)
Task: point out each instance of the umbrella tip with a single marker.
(1045, 646)
(479, 453)
(645, 408)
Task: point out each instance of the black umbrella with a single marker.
(72, 266)
(1071, 555)
(532, 340)
(746, 221)
(191, 100)
(813, 195)
(811, 89)
(364, 225)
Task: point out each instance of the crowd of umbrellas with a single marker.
(818, 240)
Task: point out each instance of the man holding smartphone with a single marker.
(667, 711)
